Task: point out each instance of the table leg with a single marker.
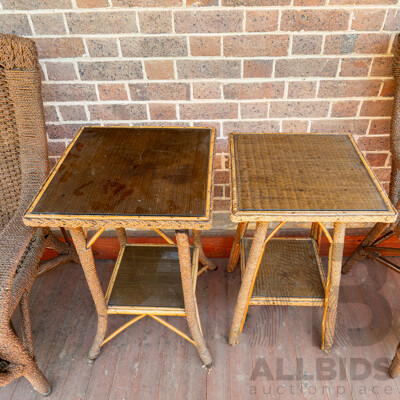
(235, 251)
(121, 234)
(249, 277)
(333, 283)
(182, 241)
(87, 261)
(204, 260)
(394, 368)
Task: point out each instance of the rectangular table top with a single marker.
(303, 177)
(129, 174)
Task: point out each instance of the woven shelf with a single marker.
(290, 273)
(147, 280)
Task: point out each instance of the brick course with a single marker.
(235, 65)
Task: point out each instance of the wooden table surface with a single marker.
(130, 173)
(300, 175)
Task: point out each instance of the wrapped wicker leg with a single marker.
(87, 262)
(182, 241)
(394, 368)
(204, 260)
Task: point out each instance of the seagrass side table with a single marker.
(143, 178)
(316, 178)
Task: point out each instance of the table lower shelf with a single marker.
(147, 280)
(290, 273)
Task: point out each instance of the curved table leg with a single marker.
(235, 251)
(359, 254)
(394, 368)
(249, 277)
(333, 283)
(87, 262)
(182, 241)
(204, 260)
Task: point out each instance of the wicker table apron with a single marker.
(143, 178)
(316, 178)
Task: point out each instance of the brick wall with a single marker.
(236, 65)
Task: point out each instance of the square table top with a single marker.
(125, 176)
(304, 177)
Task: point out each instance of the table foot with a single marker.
(332, 290)
(249, 277)
(204, 260)
(87, 261)
(182, 241)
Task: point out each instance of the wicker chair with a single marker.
(23, 168)
(381, 231)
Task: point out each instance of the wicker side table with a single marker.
(316, 178)
(143, 178)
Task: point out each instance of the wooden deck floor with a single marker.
(278, 357)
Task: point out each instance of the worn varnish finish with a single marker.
(149, 362)
(131, 171)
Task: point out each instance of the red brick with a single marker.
(112, 91)
(353, 126)
(262, 20)
(205, 45)
(373, 143)
(221, 144)
(298, 126)
(346, 108)
(383, 174)
(258, 3)
(254, 110)
(257, 90)
(159, 91)
(388, 88)
(379, 127)
(102, 47)
(249, 126)
(208, 124)
(362, 2)
(377, 159)
(367, 20)
(73, 113)
(155, 21)
(221, 205)
(147, 3)
(60, 47)
(206, 90)
(159, 69)
(68, 92)
(92, 3)
(113, 112)
(208, 21)
(110, 70)
(307, 44)
(208, 111)
(340, 44)
(50, 114)
(377, 108)
(309, 2)
(256, 45)
(57, 71)
(154, 46)
(392, 22)
(221, 177)
(326, 67)
(302, 90)
(314, 20)
(298, 109)
(218, 191)
(201, 3)
(382, 66)
(102, 22)
(349, 88)
(257, 68)
(355, 66)
(372, 43)
(64, 131)
(48, 24)
(211, 69)
(162, 111)
(56, 148)
(35, 4)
